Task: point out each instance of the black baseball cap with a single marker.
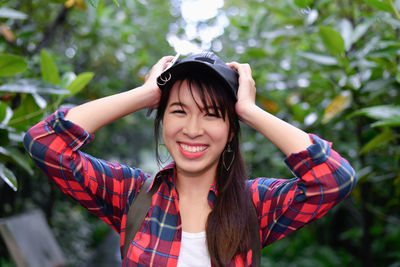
(206, 62)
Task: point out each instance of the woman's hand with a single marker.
(246, 96)
(150, 84)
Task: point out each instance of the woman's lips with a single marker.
(192, 151)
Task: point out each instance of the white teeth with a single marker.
(193, 148)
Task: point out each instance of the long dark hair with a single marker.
(227, 227)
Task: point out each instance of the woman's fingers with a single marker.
(159, 67)
(244, 71)
(247, 91)
(245, 76)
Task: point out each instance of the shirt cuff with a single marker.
(72, 134)
(317, 153)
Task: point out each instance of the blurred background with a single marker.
(328, 67)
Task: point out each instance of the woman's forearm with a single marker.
(95, 114)
(285, 136)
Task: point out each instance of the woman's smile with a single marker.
(192, 151)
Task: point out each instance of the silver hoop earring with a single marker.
(164, 80)
(227, 157)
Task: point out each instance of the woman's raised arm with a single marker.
(285, 136)
(93, 115)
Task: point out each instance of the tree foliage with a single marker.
(329, 67)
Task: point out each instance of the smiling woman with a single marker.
(195, 134)
(200, 213)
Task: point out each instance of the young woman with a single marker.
(200, 214)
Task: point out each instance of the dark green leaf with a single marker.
(32, 86)
(379, 84)
(321, 59)
(11, 65)
(332, 40)
(360, 30)
(393, 122)
(381, 139)
(12, 13)
(379, 112)
(93, 3)
(116, 2)
(302, 3)
(80, 82)
(49, 69)
(4, 139)
(382, 5)
(17, 157)
(3, 111)
(27, 114)
(8, 177)
(256, 52)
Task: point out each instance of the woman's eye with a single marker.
(178, 111)
(210, 114)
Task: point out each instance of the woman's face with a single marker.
(194, 138)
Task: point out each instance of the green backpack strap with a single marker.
(141, 204)
(138, 210)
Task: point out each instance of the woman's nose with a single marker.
(193, 127)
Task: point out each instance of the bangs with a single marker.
(215, 97)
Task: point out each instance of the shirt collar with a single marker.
(168, 174)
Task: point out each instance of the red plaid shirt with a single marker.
(107, 189)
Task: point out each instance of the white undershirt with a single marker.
(193, 252)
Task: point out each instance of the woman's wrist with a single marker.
(247, 113)
(147, 95)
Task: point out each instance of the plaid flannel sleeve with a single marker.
(323, 179)
(100, 186)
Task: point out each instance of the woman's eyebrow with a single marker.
(180, 104)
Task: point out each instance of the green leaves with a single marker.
(390, 6)
(48, 68)
(12, 14)
(32, 105)
(11, 65)
(8, 177)
(379, 112)
(381, 139)
(28, 113)
(318, 58)
(32, 86)
(70, 81)
(4, 139)
(302, 3)
(80, 82)
(332, 40)
(12, 154)
(383, 5)
(94, 3)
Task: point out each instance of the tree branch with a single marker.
(51, 31)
